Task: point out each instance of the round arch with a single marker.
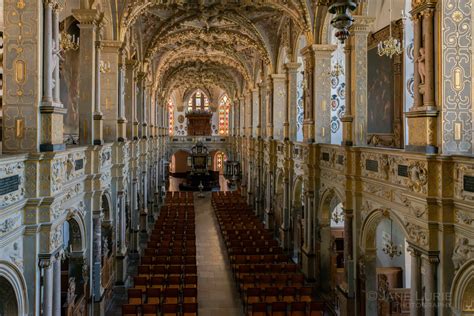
(14, 277)
(462, 288)
(78, 230)
(368, 258)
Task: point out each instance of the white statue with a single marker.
(421, 65)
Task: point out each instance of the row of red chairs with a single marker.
(277, 291)
(167, 275)
(186, 309)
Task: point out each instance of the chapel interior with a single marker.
(236, 157)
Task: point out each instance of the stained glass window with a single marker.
(224, 108)
(170, 117)
(220, 159)
(198, 101)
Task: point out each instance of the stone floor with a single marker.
(217, 293)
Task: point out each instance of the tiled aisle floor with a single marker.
(217, 294)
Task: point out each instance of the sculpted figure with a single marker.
(421, 65)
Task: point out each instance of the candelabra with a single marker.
(104, 67)
(343, 18)
(68, 42)
(389, 247)
(390, 46)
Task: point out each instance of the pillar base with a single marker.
(121, 270)
(422, 126)
(269, 220)
(285, 238)
(308, 263)
(52, 127)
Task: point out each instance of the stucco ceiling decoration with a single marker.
(229, 41)
(175, 60)
(199, 75)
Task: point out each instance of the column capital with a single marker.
(111, 46)
(86, 16)
(292, 66)
(45, 262)
(361, 24)
(278, 77)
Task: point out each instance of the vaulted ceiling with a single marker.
(209, 43)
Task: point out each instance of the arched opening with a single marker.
(296, 222)
(178, 168)
(107, 244)
(462, 289)
(278, 202)
(218, 166)
(8, 299)
(331, 242)
(74, 283)
(387, 265)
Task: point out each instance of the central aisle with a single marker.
(216, 291)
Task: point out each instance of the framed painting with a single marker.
(385, 91)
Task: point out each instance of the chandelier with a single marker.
(68, 42)
(337, 69)
(390, 46)
(389, 247)
(342, 19)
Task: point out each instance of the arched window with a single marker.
(224, 108)
(220, 159)
(198, 102)
(170, 117)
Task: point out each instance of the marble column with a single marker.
(359, 32)
(98, 115)
(51, 109)
(284, 229)
(279, 106)
(269, 109)
(322, 92)
(422, 118)
(56, 47)
(121, 119)
(130, 100)
(308, 123)
(46, 265)
(48, 66)
(97, 255)
(87, 50)
(110, 89)
(289, 126)
(347, 119)
(430, 292)
(349, 250)
(415, 290)
(57, 284)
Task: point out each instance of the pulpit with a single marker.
(199, 123)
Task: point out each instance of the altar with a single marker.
(200, 162)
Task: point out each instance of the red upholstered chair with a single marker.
(175, 270)
(190, 309)
(279, 308)
(298, 309)
(135, 296)
(297, 280)
(190, 269)
(144, 271)
(305, 294)
(157, 282)
(252, 296)
(265, 280)
(171, 296)
(316, 308)
(149, 309)
(158, 270)
(153, 295)
(140, 282)
(272, 295)
(129, 310)
(258, 309)
(190, 295)
(174, 281)
(289, 294)
(169, 310)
